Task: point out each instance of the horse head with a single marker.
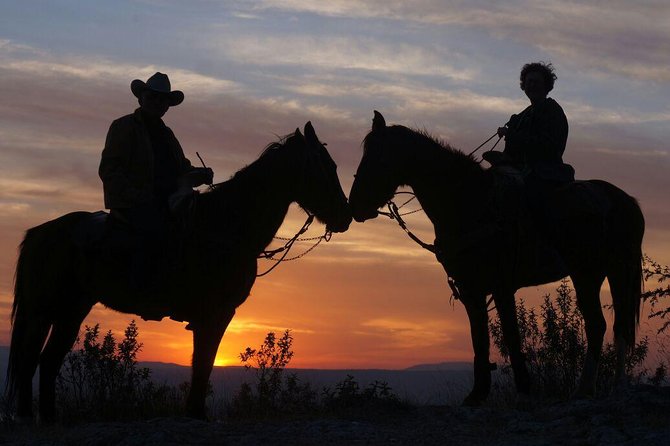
(380, 172)
(320, 191)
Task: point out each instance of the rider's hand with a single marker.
(502, 131)
(200, 175)
(208, 175)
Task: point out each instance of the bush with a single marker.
(275, 394)
(660, 274)
(554, 343)
(272, 394)
(348, 396)
(101, 380)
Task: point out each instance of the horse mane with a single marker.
(216, 201)
(267, 153)
(452, 156)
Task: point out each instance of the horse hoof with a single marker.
(47, 418)
(523, 401)
(621, 386)
(197, 415)
(472, 401)
(581, 395)
(24, 420)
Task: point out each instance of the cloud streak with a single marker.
(589, 34)
(338, 53)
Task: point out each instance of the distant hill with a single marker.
(451, 366)
(442, 383)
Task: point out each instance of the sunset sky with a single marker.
(255, 69)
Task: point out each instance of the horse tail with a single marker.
(30, 323)
(40, 279)
(625, 268)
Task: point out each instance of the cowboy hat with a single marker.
(159, 83)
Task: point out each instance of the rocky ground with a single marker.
(640, 417)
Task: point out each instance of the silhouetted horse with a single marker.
(57, 283)
(598, 234)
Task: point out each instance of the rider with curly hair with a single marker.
(535, 139)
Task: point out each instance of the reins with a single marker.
(482, 144)
(269, 255)
(394, 214)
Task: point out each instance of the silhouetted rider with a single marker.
(143, 166)
(535, 139)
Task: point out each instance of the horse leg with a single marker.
(625, 279)
(475, 306)
(506, 308)
(206, 340)
(28, 335)
(587, 290)
(63, 335)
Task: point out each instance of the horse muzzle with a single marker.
(341, 224)
(361, 215)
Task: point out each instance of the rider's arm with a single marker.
(196, 175)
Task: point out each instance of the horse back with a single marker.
(589, 199)
(597, 224)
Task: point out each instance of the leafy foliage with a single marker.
(276, 394)
(653, 271)
(554, 343)
(101, 380)
(348, 395)
(273, 393)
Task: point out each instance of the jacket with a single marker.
(127, 163)
(536, 140)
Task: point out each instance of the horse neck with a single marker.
(450, 186)
(258, 199)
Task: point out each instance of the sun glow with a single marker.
(221, 361)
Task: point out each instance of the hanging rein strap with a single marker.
(394, 214)
(269, 255)
(482, 144)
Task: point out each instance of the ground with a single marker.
(638, 417)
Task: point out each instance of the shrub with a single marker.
(101, 380)
(275, 394)
(272, 394)
(653, 271)
(554, 343)
(348, 396)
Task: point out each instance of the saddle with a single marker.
(533, 232)
(88, 234)
(104, 236)
(109, 245)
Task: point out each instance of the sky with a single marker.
(255, 69)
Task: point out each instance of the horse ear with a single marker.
(297, 132)
(310, 134)
(378, 122)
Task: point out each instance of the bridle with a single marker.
(284, 250)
